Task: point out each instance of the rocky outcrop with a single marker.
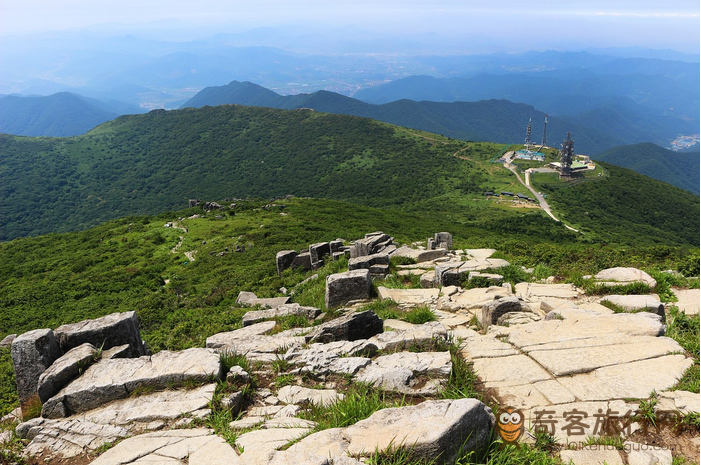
(620, 276)
(6, 342)
(368, 261)
(114, 379)
(371, 244)
(351, 327)
(254, 342)
(64, 369)
(32, 353)
(492, 311)
(638, 303)
(342, 288)
(284, 259)
(433, 430)
(282, 311)
(401, 372)
(109, 331)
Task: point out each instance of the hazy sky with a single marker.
(656, 24)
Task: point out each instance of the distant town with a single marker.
(684, 142)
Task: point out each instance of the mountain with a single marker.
(488, 120)
(157, 161)
(680, 169)
(59, 115)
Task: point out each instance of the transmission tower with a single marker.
(545, 130)
(528, 134)
(566, 156)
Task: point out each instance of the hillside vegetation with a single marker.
(484, 120)
(144, 164)
(136, 263)
(58, 115)
(680, 169)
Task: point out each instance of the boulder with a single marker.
(367, 261)
(64, 369)
(620, 276)
(303, 260)
(281, 311)
(433, 430)
(284, 260)
(413, 335)
(371, 244)
(351, 327)
(6, 343)
(319, 250)
(341, 288)
(443, 240)
(109, 380)
(109, 331)
(637, 303)
(400, 371)
(336, 246)
(492, 311)
(32, 353)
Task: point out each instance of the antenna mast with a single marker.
(545, 130)
(528, 134)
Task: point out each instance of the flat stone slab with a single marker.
(511, 370)
(64, 369)
(415, 335)
(259, 446)
(399, 372)
(300, 395)
(409, 296)
(257, 316)
(688, 300)
(479, 264)
(253, 341)
(159, 406)
(636, 303)
(250, 298)
(434, 429)
(643, 454)
(595, 455)
(183, 446)
(683, 401)
(631, 380)
(469, 299)
(109, 380)
(621, 276)
(486, 347)
(480, 253)
(542, 291)
(67, 437)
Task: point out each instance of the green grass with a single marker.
(359, 402)
(462, 382)
(685, 330)
(612, 441)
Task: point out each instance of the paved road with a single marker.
(541, 200)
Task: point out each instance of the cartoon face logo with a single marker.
(510, 425)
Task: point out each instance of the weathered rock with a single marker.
(32, 353)
(109, 331)
(341, 288)
(319, 250)
(301, 395)
(643, 454)
(259, 446)
(281, 311)
(443, 240)
(114, 379)
(621, 276)
(518, 318)
(336, 246)
(427, 279)
(303, 260)
(366, 261)
(370, 244)
(379, 270)
(492, 311)
(284, 260)
(333, 357)
(409, 296)
(64, 369)
(123, 351)
(544, 291)
(414, 335)
(190, 446)
(399, 372)
(351, 327)
(637, 303)
(237, 375)
(687, 301)
(253, 341)
(249, 298)
(433, 430)
(6, 342)
(471, 299)
(592, 456)
(682, 401)
(67, 438)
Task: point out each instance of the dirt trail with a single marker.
(189, 255)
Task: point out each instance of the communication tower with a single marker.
(528, 134)
(566, 156)
(545, 130)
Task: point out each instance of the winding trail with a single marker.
(190, 255)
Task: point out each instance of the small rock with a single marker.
(351, 327)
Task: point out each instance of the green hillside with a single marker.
(58, 115)
(483, 120)
(144, 164)
(680, 169)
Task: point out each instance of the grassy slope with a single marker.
(678, 169)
